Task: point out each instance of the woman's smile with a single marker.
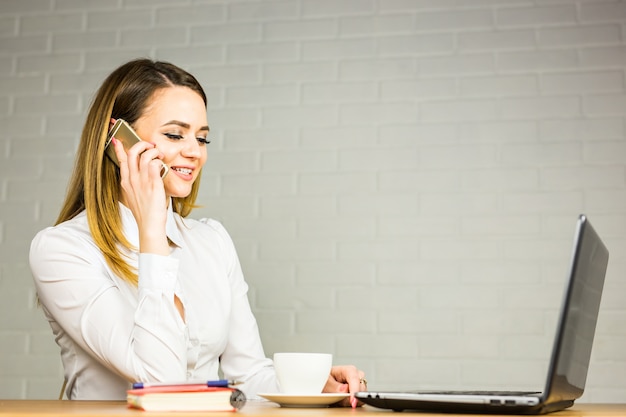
(182, 172)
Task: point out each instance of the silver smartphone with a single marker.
(122, 131)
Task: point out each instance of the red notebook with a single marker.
(185, 398)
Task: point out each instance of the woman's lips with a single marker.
(183, 172)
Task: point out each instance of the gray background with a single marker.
(401, 177)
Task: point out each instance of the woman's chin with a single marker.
(178, 192)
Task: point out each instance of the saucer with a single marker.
(305, 400)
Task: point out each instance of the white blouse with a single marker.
(112, 333)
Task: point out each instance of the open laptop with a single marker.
(571, 351)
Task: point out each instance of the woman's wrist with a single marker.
(155, 243)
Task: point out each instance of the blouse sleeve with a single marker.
(243, 358)
(142, 342)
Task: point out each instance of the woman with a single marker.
(133, 290)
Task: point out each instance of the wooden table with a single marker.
(48, 408)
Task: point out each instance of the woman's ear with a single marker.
(111, 123)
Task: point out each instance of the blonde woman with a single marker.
(133, 289)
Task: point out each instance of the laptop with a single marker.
(571, 352)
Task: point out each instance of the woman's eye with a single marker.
(173, 136)
(204, 141)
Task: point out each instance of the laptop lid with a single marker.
(571, 352)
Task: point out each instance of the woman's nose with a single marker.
(192, 148)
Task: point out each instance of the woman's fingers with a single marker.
(143, 153)
(347, 379)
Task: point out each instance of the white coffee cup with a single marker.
(302, 373)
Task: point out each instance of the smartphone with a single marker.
(122, 131)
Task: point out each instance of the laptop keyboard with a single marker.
(481, 392)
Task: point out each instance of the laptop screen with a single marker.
(574, 338)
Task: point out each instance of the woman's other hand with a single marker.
(348, 379)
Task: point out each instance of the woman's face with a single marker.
(175, 121)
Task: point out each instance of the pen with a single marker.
(215, 383)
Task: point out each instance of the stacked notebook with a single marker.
(186, 397)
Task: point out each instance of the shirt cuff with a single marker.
(157, 272)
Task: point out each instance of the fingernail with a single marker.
(353, 402)
(114, 141)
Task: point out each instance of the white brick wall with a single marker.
(401, 177)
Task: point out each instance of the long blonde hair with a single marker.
(95, 183)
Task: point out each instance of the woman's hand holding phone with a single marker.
(143, 193)
(123, 132)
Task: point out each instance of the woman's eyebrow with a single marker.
(183, 125)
